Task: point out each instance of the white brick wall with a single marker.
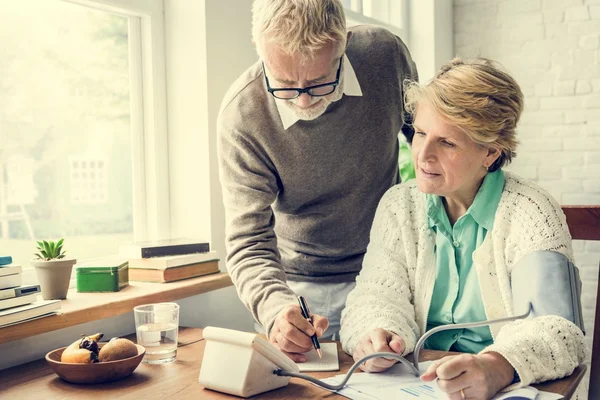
(552, 47)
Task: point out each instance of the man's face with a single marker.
(294, 71)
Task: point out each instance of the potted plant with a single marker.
(53, 269)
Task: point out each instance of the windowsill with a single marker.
(79, 308)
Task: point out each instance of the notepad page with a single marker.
(329, 362)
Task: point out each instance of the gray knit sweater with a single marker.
(300, 202)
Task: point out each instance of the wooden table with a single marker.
(180, 379)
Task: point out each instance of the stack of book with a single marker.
(169, 260)
(10, 274)
(20, 302)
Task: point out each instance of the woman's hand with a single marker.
(374, 342)
(471, 376)
(291, 332)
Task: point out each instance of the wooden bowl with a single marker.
(94, 373)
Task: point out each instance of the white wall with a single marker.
(208, 46)
(188, 122)
(430, 35)
(229, 52)
(552, 47)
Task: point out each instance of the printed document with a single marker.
(399, 383)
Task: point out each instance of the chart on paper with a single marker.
(399, 383)
(421, 391)
(396, 383)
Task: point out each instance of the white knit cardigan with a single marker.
(395, 286)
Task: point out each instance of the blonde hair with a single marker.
(478, 97)
(299, 26)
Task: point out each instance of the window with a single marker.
(391, 14)
(427, 28)
(78, 118)
(89, 184)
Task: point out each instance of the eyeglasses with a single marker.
(316, 91)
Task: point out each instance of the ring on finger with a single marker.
(462, 393)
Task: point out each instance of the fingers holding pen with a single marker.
(294, 317)
(292, 332)
(295, 328)
(320, 324)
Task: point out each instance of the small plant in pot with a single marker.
(53, 269)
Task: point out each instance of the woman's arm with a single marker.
(382, 297)
(541, 349)
(548, 345)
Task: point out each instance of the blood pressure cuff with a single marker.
(551, 283)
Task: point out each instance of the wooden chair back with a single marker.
(584, 224)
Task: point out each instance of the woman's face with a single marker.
(447, 162)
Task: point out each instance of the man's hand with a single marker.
(376, 341)
(291, 332)
(471, 376)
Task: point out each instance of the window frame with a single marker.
(148, 108)
(148, 113)
(427, 29)
(357, 17)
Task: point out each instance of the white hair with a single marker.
(298, 26)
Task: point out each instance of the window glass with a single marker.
(65, 141)
(388, 12)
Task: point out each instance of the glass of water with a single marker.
(156, 327)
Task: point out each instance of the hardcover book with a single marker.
(161, 248)
(5, 260)
(19, 291)
(18, 301)
(29, 311)
(11, 281)
(172, 261)
(10, 269)
(175, 273)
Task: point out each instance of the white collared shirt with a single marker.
(351, 87)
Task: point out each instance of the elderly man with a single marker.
(308, 144)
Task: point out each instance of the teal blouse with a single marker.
(456, 294)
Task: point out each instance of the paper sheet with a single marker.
(527, 393)
(329, 362)
(399, 383)
(548, 396)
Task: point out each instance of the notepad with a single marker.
(329, 362)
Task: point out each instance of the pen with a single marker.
(306, 314)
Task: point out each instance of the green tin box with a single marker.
(102, 275)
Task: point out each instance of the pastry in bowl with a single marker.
(87, 362)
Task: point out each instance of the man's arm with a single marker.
(249, 185)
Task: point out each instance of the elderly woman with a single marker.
(446, 247)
